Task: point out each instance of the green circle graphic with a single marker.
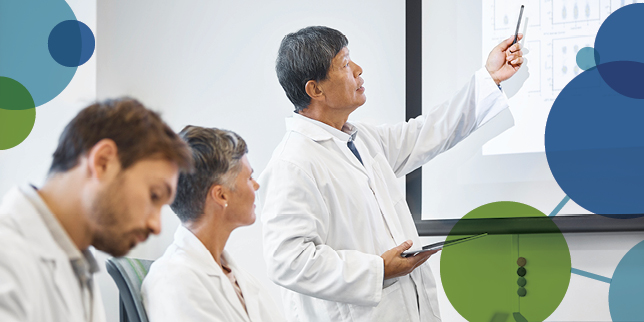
(17, 113)
(480, 276)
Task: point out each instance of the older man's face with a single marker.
(343, 86)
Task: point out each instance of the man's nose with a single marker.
(154, 221)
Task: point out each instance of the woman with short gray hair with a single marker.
(196, 279)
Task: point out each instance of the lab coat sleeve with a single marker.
(184, 299)
(295, 221)
(409, 145)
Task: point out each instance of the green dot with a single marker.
(17, 113)
(479, 276)
(521, 291)
(521, 281)
(521, 271)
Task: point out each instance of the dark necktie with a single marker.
(353, 149)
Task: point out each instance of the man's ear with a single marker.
(219, 194)
(103, 160)
(314, 90)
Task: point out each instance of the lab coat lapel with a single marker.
(250, 292)
(186, 240)
(53, 258)
(378, 185)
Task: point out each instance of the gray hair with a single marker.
(306, 55)
(216, 154)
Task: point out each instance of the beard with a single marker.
(110, 213)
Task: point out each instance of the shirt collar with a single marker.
(77, 257)
(348, 133)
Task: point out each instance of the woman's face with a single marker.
(241, 205)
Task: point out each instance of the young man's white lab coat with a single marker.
(328, 218)
(37, 281)
(186, 284)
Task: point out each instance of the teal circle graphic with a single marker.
(25, 26)
(626, 293)
(587, 58)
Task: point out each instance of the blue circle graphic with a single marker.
(594, 146)
(71, 43)
(619, 39)
(25, 26)
(626, 292)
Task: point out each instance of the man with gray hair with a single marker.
(335, 219)
(196, 279)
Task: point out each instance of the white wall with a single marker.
(211, 63)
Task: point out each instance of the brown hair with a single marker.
(138, 132)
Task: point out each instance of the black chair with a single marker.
(128, 273)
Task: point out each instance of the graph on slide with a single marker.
(566, 11)
(506, 13)
(554, 32)
(564, 62)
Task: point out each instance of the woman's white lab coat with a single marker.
(37, 281)
(186, 284)
(327, 218)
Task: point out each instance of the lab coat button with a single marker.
(522, 291)
(521, 271)
(521, 281)
(521, 261)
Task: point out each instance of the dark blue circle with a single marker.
(71, 43)
(619, 39)
(595, 145)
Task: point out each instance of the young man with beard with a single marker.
(116, 165)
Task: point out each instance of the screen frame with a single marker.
(413, 184)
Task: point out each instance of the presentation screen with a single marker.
(505, 159)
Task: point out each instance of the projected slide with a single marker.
(554, 32)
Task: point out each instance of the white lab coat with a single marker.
(186, 284)
(327, 218)
(37, 281)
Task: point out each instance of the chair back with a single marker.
(128, 274)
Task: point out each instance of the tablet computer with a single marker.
(440, 245)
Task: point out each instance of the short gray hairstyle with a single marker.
(306, 55)
(216, 154)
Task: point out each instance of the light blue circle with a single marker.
(587, 58)
(24, 54)
(626, 293)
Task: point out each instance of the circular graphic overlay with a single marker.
(24, 32)
(626, 293)
(480, 276)
(587, 58)
(594, 146)
(17, 113)
(625, 71)
(71, 43)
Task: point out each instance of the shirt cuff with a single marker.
(490, 101)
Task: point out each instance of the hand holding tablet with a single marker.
(440, 245)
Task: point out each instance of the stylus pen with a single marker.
(516, 33)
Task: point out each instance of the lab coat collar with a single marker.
(301, 124)
(30, 224)
(186, 240)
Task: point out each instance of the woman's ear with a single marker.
(219, 195)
